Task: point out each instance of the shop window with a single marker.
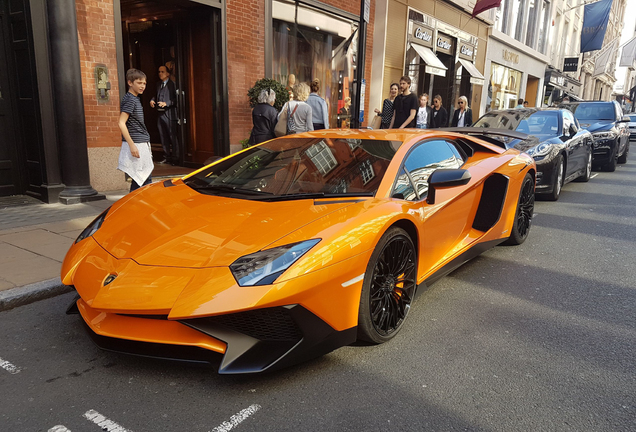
(310, 43)
(504, 86)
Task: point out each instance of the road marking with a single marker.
(59, 428)
(354, 280)
(236, 419)
(8, 366)
(103, 422)
(594, 175)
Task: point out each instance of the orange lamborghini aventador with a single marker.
(290, 249)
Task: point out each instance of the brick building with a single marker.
(216, 48)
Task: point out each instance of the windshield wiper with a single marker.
(316, 195)
(228, 188)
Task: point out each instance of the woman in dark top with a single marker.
(440, 115)
(387, 107)
(264, 117)
(463, 116)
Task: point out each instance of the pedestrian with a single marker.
(406, 106)
(264, 118)
(135, 156)
(298, 112)
(319, 110)
(424, 113)
(440, 115)
(387, 107)
(525, 104)
(463, 116)
(519, 103)
(165, 102)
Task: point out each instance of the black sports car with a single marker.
(609, 129)
(561, 149)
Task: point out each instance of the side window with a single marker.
(426, 158)
(404, 188)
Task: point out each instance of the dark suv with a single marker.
(609, 129)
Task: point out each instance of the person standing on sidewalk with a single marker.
(319, 111)
(405, 106)
(135, 156)
(440, 115)
(165, 101)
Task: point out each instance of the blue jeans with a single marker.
(135, 186)
(422, 126)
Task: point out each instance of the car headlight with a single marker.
(540, 150)
(93, 226)
(603, 135)
(264, 267)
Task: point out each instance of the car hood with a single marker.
(597, 125)
(528, 143)
(179, 227)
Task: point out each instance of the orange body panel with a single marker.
(170, 248)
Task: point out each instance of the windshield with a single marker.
(585, 112)
(300, 167)
(538, 123)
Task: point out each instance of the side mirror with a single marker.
(573, 130)
(444, 178)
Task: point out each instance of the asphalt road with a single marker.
(539, 337)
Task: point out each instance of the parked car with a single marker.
(632, 126)
(294, 247)
(609, 128)
(561, 149)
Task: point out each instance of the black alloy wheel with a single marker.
(523, 215)
(585, 177)
(388, 288)
(558, 179)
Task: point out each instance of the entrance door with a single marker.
(185, 37)
(532, 91)
(10, 179)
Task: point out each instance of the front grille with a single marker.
(272, 324)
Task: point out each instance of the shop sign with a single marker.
(558, 80)
(510, 56)
(444, 44)
(570, 64)
(466, 51)
(424, 35)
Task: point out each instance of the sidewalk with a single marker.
(34, 239)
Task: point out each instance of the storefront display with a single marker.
(504, 87)
(309, 43)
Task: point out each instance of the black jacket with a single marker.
(171, 100)
(468, 118)
(264, 117)
(440, 120)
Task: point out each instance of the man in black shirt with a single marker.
(406, 105)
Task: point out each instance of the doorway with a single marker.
(185, 37)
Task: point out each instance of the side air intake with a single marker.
(491, 204)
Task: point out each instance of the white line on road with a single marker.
(101, 421)
(8, 366)
(59, 428)
(236, 419)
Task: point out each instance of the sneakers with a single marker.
(164, 161)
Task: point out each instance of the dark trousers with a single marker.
(319, 126)
(168, 136)
(135, 186)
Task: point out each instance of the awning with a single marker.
(434, 66)
(477, 77)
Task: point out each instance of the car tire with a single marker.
(623, 158)
(523, 214)
(389, 287)
(559, 170)
(611, 165)
(585, 177)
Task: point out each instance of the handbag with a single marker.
(281, 125)
(376, 122)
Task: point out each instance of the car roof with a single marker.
(371, 134)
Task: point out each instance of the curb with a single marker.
(27, 294)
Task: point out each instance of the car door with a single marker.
(622, 128)
(575, 144)
(444, 222)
